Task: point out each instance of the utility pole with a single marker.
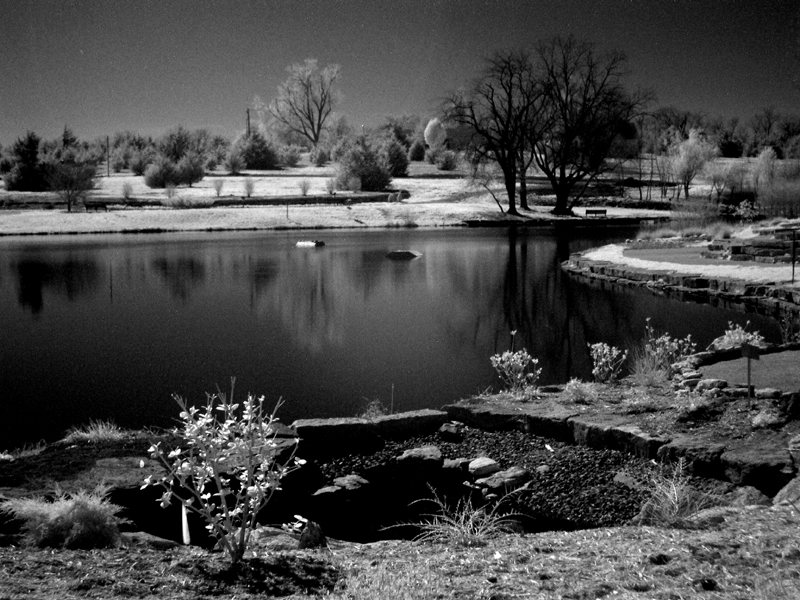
(248, 122)
(108, 156)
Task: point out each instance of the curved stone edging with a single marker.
(767, 468)
(767, 299)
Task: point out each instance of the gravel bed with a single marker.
(576, 486)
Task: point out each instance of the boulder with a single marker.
(746, 495)
(451, 432)
(425, 456)
(460, 465)
(483, 467)
(768, 394)
(505, 481)
(710, 384)
(312, 537)
(788, 494)
(350, 482)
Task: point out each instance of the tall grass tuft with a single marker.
(673, 500)
(94, 432)
(464, 524)
(83, 520)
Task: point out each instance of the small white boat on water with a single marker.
(310, 243)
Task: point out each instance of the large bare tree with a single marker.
(585, 107)
(306, 99)
(496, 109)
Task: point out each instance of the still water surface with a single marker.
(109, 327)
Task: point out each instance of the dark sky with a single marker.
(102, 66)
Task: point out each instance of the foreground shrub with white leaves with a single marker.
(230, 468)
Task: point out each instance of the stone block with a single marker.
(409, 424)
(483, 467)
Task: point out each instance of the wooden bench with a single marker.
(596, 212)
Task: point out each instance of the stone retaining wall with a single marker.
(767, 299)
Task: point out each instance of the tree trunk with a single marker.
(523, 192)
(562, 202)
(510, 176)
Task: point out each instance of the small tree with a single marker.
(229, 469)
(363, 163)
(256, 152)
(191, 169)
(689, 157)
(435, 134)
(27, 173)
(72, 181)
(585, 107)
(306, 99)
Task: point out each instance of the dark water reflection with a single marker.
(110, 327)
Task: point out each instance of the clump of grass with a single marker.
(646, 370)
(94, 432)
(83, 520)
(580, 392)
(673, 500)
(465, 524)
(639, 401)
(373, 410)
(658, 234)
(26, 451)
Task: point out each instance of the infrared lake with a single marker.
(110, 327)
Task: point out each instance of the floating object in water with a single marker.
(310, 243)
(403, 255)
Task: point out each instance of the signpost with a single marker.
(751, 353)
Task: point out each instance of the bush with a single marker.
(607, 361)
(362, 162)
(84, 520)
(512, 368)
(447, 161)
(127, 190)
(782, 199)
(191, 169)
(140, 160)
(161, 173)
(304, 185)
(256, 152)
(417, 151)
(119, 160)
(396, 159)
(662, 351)
(290, 156)
(71, 181)
(249, 185)
(175, 144)
(218, 184)
(231, 459)
(736, 335)
(234, 163)
(580, 392)
(319, 157)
